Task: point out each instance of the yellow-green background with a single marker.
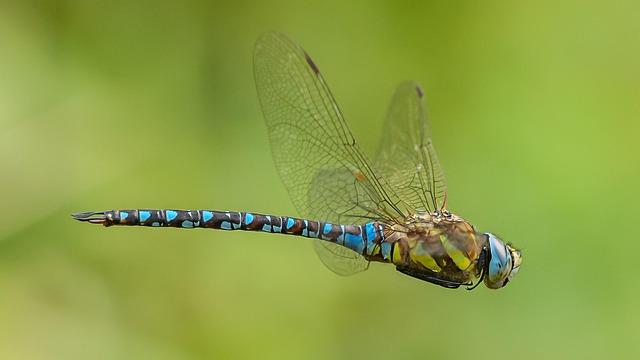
(125, 104)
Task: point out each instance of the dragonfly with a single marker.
(389, 209)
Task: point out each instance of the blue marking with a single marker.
(371, 237)
(171, 215)
(386, 250)
(248, 218)
(207, 215)
(305, 230)
(267, 227)
(290, 223)
(155, 223)
(277, 228)
(144, 215)
(355, 242)
(123, 215)
(341, 237)
(187, 224)
(371, 232)
(226, 225)
(327, 228)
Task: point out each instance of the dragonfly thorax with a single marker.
(439, 247)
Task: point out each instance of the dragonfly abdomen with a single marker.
(364, 239)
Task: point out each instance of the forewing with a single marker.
(406, 158)
(327, 175)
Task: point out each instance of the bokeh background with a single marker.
(127, 104)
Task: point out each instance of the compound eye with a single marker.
(500, 263)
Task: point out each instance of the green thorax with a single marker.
(441, 244)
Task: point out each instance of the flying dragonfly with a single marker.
(391, 209)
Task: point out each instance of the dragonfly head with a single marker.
(502, 264)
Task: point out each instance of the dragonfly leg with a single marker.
(429, 277)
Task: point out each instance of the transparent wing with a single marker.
(339, 259)
(327, 175)
(406, 157)
(331, 189)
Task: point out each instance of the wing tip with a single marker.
(313, 65)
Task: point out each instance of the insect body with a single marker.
(389, 210)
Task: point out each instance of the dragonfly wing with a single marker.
(311, 141)
(335, 195)
(406, 157)
(327, 175)
(332, 198)
(339, 259)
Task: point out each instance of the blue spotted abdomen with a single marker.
(367, 239)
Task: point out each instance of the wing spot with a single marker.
(313, 65)
(359, 175)
(419, 91)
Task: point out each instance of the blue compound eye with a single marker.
(500, 263)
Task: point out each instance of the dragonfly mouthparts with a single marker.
(93, 217)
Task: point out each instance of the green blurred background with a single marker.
(128, 104)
